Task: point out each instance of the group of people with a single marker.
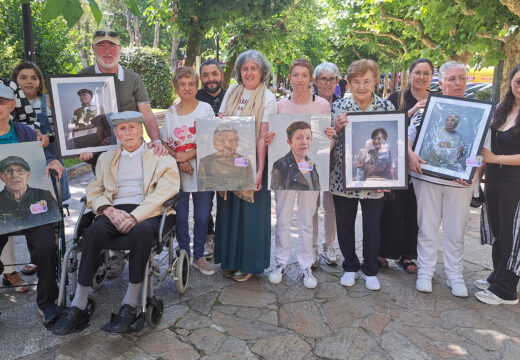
(132, 182)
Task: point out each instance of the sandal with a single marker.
(29, 269)
(382, 262)
(405, 263)
(15, 280)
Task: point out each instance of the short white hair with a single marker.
(326, 67)
(448, 66)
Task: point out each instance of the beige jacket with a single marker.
(160, 183)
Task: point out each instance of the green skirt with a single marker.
(243, 232)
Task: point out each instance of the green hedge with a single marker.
(153, 66)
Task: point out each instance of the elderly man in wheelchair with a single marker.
(127, 195)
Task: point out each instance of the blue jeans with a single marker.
(201, 210)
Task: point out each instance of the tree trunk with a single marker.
(137, 32)
(394, 80)
(512, 5)
(512, 58)
(156, 35)
(193, 46)
(385, 84)
(173, 54)
(129, 27)
(404, 79)
(230, 66)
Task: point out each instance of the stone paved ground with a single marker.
(219, 319)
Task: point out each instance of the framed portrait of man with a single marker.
(82, 106)
(299, 155)
(451, 136)
(27, 197)
(375, 151)
(226, 153)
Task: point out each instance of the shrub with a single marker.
(483, 94)
(152, 65)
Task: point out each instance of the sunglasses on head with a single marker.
(101, 33)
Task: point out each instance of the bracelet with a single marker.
(156, 141)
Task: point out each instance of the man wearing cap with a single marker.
(85, 113)
(127, 194)
(131, 89)
(15, 172)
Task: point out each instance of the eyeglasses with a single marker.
(15, 171)
(101, 33)
(330, 80)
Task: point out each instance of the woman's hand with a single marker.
(258, 182)
(419, 105)
(330, 132)
(181, 156)
(340, 122)
(414, 162)
(185, 167)
(489, 156)
(43, 139)
(85, 156)
(268, 138)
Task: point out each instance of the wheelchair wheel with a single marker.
(98, 279)
(154, 312)
(182, 271)
(91, 305)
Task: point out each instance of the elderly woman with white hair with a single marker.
(243, 226)
(440, 200)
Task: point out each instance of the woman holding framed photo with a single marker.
(362, 77)
(503, 198)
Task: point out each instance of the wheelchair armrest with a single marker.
(173, 201)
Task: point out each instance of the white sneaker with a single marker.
(458, 287)
(276, 276)
(349, 278)
(482, 284)
(315, 260)
(488, 297)
(371, 282)
(309, 281)
(329, 255)
(424, 283)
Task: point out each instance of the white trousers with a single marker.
(8, 256)
(449, 205)
(307, 201)
(329, 221)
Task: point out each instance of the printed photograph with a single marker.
(83, 106)
(299, 155)
(27, 197)
(226, 153)
(452, 130)
(375, 151)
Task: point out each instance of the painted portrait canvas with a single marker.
(299, 155)
(27, 196)
(226, 153)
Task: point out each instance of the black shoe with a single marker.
(72, 320)
(122, 322)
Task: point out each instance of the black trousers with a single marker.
(346, 211)
(102, 234)
(502, 203)
(399, 225)
(44, 254)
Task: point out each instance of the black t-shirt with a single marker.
(214, 101)
(409, 100)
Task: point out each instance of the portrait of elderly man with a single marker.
(88, 127)
(40, 239)
(127, 194)
(225, 169)
(446, 148)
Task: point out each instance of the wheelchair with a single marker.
(151, 306)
